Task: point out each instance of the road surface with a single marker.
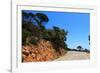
(74, 55)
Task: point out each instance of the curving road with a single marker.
(74, 55)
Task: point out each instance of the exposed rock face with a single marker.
(43, 51)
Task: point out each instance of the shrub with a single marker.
(25, 34)
(79, 48)
(33, 40)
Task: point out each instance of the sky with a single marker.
(77, 25)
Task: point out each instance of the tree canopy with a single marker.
(79, 48)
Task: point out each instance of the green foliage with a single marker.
(57, 36)
(32, 40)
(86, 50)
(89, 39)
(79, 48)
(28, 37)
(25, 34)
(32, 33)
(42, 17)
(39, 18)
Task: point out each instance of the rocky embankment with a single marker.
(43, 51)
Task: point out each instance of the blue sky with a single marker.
(77, 24)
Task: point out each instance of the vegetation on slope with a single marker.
(33, 30)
